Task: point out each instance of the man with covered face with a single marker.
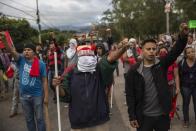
(71, 55)
(86, 84)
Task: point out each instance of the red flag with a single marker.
(8, 39)
(1, 45)
(10, 72)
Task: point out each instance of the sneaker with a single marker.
(186, 124)
(13, 114)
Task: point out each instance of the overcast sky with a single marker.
(59, 12)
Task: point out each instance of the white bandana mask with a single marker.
(72, 49)
(70, 53)
(87, 63)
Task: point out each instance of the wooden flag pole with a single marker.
(57, 92)
(112, 93)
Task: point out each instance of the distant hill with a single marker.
(80, 28)
(75, 28)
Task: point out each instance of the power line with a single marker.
(23, 5)
(26, 14)
(26, 18)
(17, 9)
(17, 17)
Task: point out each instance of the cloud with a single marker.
(59, 12)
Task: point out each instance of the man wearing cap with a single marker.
(100, 51)
(33, 85)
(86, 83)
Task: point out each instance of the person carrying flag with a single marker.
(33, 86)
(86, 84)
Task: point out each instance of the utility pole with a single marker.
(167, 11)
(38, 23)
(167, 23)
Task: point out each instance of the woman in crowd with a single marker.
(187, 68)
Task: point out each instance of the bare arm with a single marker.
(11, 50)
(45, 86)
(177, 80)
(116, 54)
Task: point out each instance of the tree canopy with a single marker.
(147, 18)
(21, 32)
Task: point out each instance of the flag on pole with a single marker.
(111, 98)
(8, 39)
(57, 92)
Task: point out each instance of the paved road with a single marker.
(119, 120)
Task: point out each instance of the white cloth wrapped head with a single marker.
(87, 60)
(72, 48)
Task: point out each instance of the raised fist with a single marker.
(184, 30)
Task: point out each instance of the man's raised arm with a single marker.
(10, 49)
(115, 55)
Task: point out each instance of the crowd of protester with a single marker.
(165, 68)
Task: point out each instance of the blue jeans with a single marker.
(33, 111)
(187, 92)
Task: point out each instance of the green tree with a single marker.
(146, 18)
(186, 9)
(61, 37)
(20, 30)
